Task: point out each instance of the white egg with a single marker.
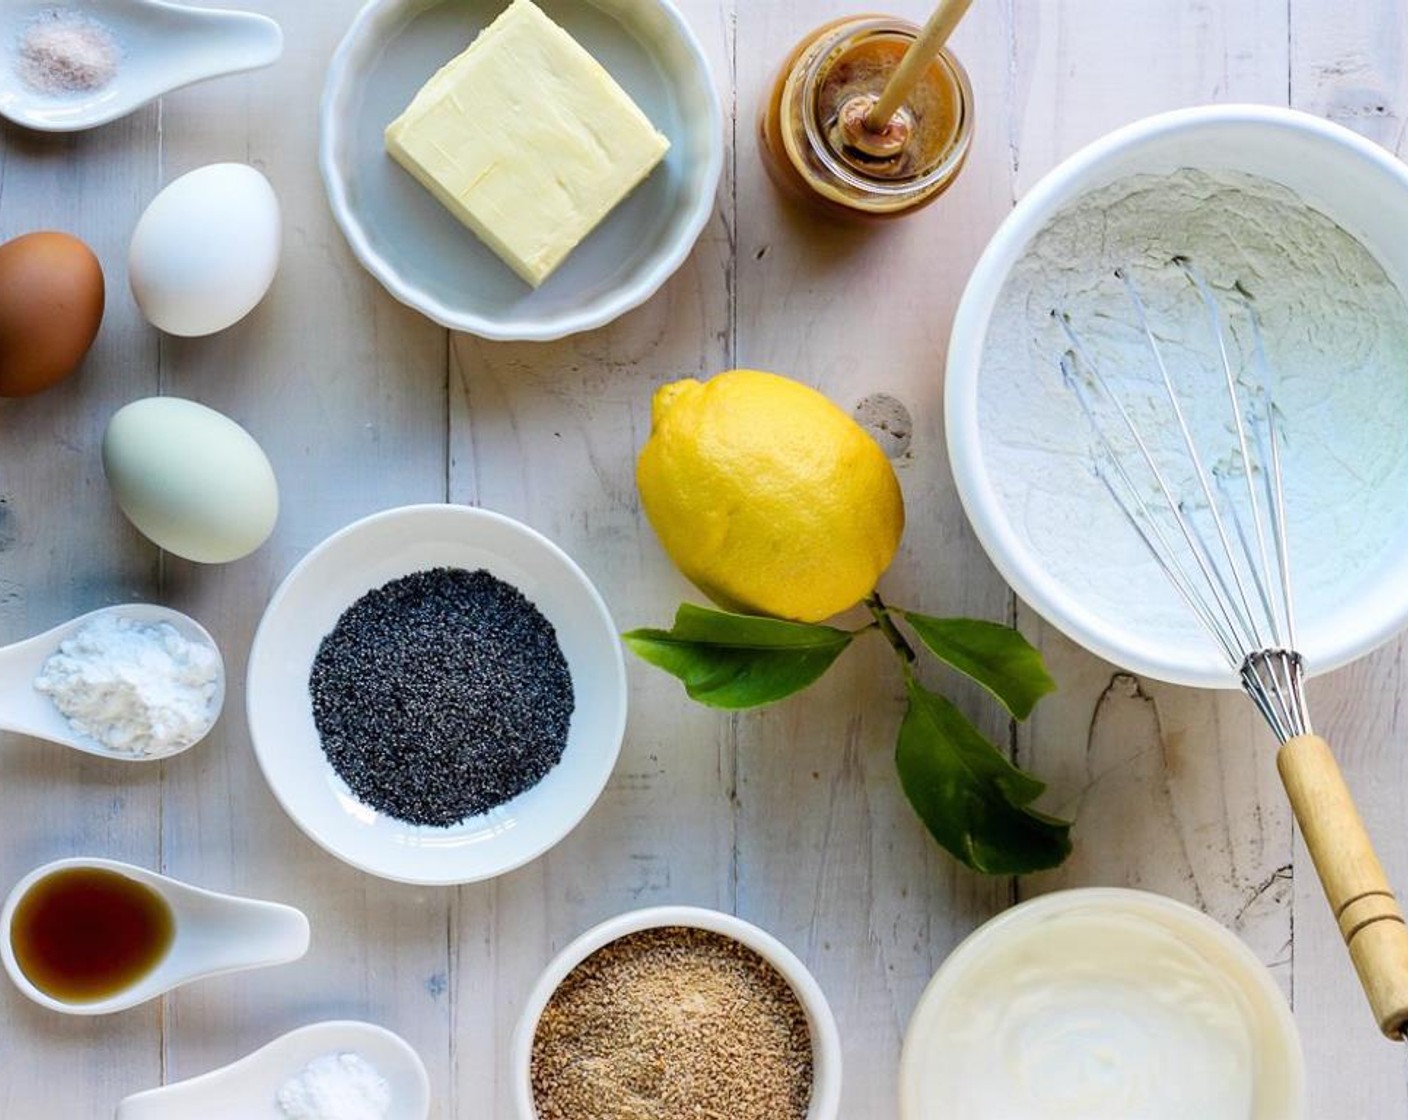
(190, 479)
(206, 249)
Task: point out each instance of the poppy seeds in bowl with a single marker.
(441, 695)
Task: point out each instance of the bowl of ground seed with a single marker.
(676, 1011)
(436, 694)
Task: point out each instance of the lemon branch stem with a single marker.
(887, 626)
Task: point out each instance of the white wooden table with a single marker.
(793, 816)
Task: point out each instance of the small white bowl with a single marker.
(426, 258)
(1279, 1077)
(1351, 180)
(826, 1040)
(366, 555)
(213, 934)
(163, 47)
(247, 1089)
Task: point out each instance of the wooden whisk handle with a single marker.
(1355, 884)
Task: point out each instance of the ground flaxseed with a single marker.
(441, 695)
(674, 1023)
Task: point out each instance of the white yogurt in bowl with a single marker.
(1101, 1004)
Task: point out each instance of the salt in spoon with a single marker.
(163, 46)
(213, 934)
(27, 711)
(248, 1089)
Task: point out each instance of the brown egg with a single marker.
(51, 302)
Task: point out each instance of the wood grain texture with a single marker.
(65, 549)
(346, 391)
(830, 856)
(1356, 888)
(548, 433)
(1348, 64)
(1174, 790)
(793, 816)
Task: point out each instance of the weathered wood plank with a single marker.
(346, 391)
(830, 855)
(1347, 63)
(548, 433)
(65, 549)
(1174, 790)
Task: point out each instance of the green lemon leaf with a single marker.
(737, 660)
(995, 656)
(970, 797)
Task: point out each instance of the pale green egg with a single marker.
(190, 479)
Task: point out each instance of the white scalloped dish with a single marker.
(420, 252)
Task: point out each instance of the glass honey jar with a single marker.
(815, 143)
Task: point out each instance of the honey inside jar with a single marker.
(814, 141)
(84, 934)
(917, 137)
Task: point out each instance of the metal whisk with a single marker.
(1217, 529)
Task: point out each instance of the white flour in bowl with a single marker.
(1336, 332)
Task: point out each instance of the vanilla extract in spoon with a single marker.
(84, 934)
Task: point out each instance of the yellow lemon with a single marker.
(768, 497)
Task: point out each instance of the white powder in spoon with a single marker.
(342, 1086)
(1336, 332)
(136, 688)
(66, 52)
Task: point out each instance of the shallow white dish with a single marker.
(247, 1089)
(826, 1039)
(426, 258)
(363, 556)
(1355, 183)
(164, 46)
(1279, 1079)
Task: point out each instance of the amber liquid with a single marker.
(936, 109)
(933, 105)
(84, 934)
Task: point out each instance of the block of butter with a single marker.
(527, 140)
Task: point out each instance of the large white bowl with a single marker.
(1279, 1076)
(1351, 180)
(826, 1039)
(364, 556)
(426, 258)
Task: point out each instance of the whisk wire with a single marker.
(1166, 558)
(1199, 464)
(1226, 575)
(1275, 485)
(1225, 602)
(1199, 281)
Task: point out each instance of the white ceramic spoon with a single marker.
(248, 1089)
(164, 46)
(27, 711)
(214, 933)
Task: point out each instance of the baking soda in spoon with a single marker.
(342, 1086)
